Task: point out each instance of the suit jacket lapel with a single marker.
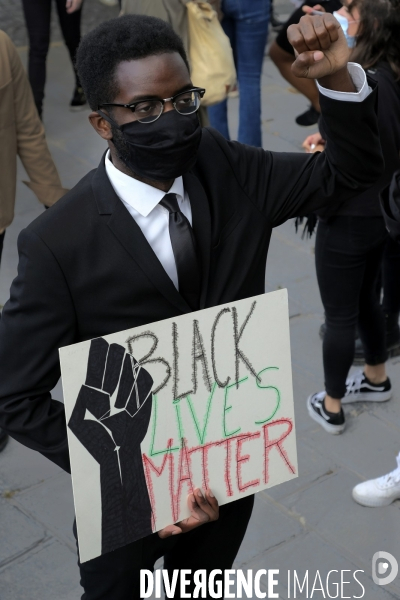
(129, 234)
(201, 228)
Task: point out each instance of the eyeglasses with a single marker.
(148, 111)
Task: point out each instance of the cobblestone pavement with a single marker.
(308, 523)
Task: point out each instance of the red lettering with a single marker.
(184, 475)
(269, 444)
(204, 462)
(149, 466)
(228, 464)
(243, 459)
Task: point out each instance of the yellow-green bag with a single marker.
(210, 53)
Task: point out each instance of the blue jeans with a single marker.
(245, 22)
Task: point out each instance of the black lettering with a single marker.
(198, 353)
(146, 358)
(239, 355)
(214, 366)
(175, 393)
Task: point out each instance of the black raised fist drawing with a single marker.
(110, 419)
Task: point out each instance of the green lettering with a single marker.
(228, 408)
(201, 433)
(269, 387)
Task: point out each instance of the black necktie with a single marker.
(184, 249)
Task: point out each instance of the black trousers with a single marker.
(116, 576)
(1, 243)
(348, 254)
(38, 16)
(391, 277)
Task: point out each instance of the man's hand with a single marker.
(204, 509)
(73, 5)
(314, 143)
(321, 52)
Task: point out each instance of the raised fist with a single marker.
(118, 379)
(320, 46)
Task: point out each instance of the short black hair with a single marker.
(129, 37)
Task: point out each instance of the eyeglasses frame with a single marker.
(133, 105)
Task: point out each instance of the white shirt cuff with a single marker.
(359, 78)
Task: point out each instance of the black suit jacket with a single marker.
(86, 270)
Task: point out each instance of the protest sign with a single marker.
(201, 400)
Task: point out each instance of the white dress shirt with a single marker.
(359, 78)
(142, 200)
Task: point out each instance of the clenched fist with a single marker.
(321, 51)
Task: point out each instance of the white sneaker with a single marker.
(361, 389)
(381, 491)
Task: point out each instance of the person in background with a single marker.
(351, 238)
(38, 17)
(384, 490)
(387, 288)
(246, 25)
(173, 12)
(22, 135)
(281, 53)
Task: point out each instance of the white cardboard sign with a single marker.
(201, 400)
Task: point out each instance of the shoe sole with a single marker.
(368, 397)
(333, 429)
(372, 503)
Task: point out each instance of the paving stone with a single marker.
(18, 532)
(49, 573)
(303, 385)
(312, 553)
(327, 507)
(306, 346)
(312, 467)
(390, 411)
(268, 527)
(21, 468)
(52, 503)
(368, 446)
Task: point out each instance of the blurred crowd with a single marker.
(357, 244)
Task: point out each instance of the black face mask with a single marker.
(162, 150)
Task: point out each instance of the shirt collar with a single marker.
(141, 196)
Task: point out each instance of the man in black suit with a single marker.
(175, 218)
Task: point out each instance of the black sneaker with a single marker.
(310, 117)
(78, 99)
(360, 389)
(3, 439)
(332, 422)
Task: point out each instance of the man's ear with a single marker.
(102, 127)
